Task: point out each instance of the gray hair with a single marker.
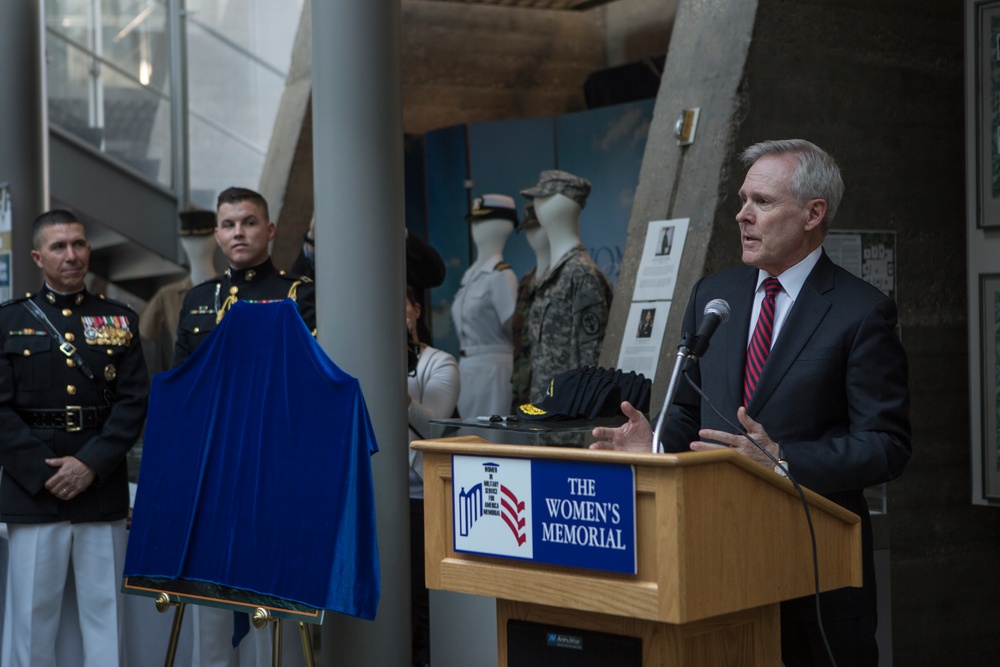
(816, 176)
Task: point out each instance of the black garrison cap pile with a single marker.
(589, 393)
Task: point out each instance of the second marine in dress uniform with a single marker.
(206, 304)
(243, 231)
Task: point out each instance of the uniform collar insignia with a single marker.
(64, 300)
(251, 274)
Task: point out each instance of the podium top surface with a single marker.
(516, 425)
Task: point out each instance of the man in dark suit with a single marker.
(830, 399)
(73, 389)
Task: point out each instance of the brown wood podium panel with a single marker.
(720, 541)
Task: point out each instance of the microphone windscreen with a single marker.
(718, 307)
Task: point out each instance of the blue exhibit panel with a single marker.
(606, 146)
(447, 205)
(506, 157)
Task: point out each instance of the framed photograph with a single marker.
(989, 305)
(986, 81)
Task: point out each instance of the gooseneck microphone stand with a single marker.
(683, 360)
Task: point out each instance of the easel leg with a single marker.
(162, 604)
(307, 645)
(276, 643)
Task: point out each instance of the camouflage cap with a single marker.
(530, 219)
(493, 206)
(197, 223)
(553, 181)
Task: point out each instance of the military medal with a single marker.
(107, 330)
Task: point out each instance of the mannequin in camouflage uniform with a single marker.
(539, 243)
(572, 301)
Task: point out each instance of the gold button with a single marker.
(27, 353)
(70, 389)
(234, 289)
(197, 329)
(67, 312)
(110, 352)
(69, 336)
(70, 363)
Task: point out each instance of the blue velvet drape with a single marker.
(256, 469)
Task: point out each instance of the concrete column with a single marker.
(358, 176)
(688, 181)
(22, 132)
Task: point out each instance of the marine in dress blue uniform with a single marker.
(206, 304)
(243, 231)
(72, 403)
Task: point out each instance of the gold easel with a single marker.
(260, 617)
(163, 603)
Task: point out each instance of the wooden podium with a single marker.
(720, 542)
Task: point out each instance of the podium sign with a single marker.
(557, 512)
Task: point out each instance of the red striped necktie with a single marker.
(760, 342)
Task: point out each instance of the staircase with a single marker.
(131, 219)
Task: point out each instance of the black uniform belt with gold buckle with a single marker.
(71, 418)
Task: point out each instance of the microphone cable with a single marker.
(802, 497)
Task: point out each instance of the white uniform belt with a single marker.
(474, 350)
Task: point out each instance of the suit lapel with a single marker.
(806, 315)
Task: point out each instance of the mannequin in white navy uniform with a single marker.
(482, 311)
(572, 301)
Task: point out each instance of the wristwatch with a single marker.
(782, 466)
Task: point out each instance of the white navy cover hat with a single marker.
(493, 206)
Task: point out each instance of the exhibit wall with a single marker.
(603, 145)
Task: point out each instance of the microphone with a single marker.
(716, 313)
(691, 347)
